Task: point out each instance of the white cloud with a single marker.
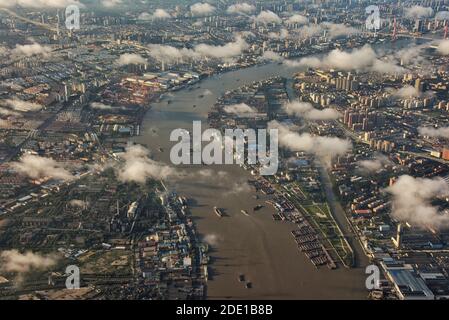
(211, 239)
(138, 167)
(442, 15)
(361, 59)
(297, 19)
(100, 106)
(159, 14)
(39, 4)
(78, 203)
(240, 108)
(307, 111)
(443, 47)
(418, 12)
(29, 50)
(310, 30)
(386, 67)
(145, 16)
(405, 92)
(171, 54)
(442, 132)
(339, 29)
(334, 30)
(20, 105)
(412, 201)
(111, 3)
(283, 34)
(14, 261)
(241, 8)
(411, 54)
(130, 58)
(9, 112)
(228, 50)
(245, 34)
(271, 56)
(324, 147)
(3, 51)
(373, 165)
(239, 188)
(37, 167)
(266, 17)
(355, 60)
(202, 9)
(198, 24)
(207, 92)
(307, 62)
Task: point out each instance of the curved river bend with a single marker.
(257, 246)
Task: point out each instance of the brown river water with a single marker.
(257, 246)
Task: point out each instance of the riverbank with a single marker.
(256, 246)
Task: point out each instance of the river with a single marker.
(257, 246)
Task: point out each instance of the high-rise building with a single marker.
(398, 241)
(419, 85)
(419, 26)
(445, 154)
